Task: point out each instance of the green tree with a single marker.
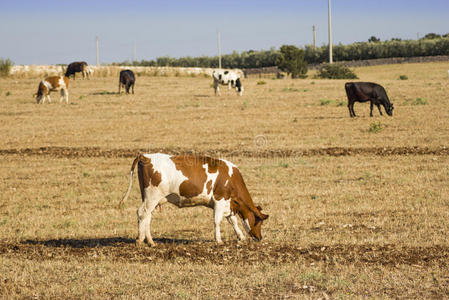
(373, 39)
(291, 60)
(431, 36)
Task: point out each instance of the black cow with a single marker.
(367, 91)
(128, 79)
(77, 66)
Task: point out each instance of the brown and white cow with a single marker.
(50, 84)
(187, 181)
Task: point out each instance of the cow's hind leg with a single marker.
(233, 221)
(144, 216)
(351, 109)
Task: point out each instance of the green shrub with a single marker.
(342, 103)
(326, 101)
(403, 77)
(261, 82)
(5, 67)
(420, 101)
(375, 127)
(335, 71)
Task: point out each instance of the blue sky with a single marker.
(51, 32)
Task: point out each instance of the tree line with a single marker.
(431, 45)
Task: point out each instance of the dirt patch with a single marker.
(331, 151)
(124, 249)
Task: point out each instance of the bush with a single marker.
(375, 127)
(403, 77)
(335, 71)
(5, 67)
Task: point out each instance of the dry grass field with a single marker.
(359, 208)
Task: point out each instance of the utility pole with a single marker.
(314, 37)
(98, 52)
(134, 57)
(330, 30)
(219, 49)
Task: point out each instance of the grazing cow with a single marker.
(77, 66)
(229, 78)
(128, 79)
(187, 181)
(53, 83)
(367, 91)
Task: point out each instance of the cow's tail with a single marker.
(120, 205)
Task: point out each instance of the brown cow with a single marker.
(187, 181)
(77, 66)
(50, 84)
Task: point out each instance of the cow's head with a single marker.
(389, 109)
(253, 223)
(40, 92)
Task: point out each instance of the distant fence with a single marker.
(261, 71)
(105, 71)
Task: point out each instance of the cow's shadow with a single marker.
(100, 242)
(104, 93)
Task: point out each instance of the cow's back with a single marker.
(127, 76)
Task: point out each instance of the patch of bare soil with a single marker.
(124, 249)
(331, 151)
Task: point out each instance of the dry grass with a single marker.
(349, 222)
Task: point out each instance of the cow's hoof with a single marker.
(242, 242)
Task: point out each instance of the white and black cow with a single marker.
(187, 181)
(50, 84)
(229, 78)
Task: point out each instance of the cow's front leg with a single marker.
(62, 94)
(380, 111)
(233, 220)
(216, 88)
(371, 104)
